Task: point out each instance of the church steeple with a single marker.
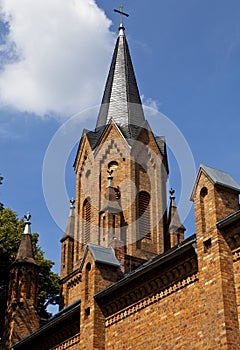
(129, 206)
(121, 100)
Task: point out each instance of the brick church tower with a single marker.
(121, 172)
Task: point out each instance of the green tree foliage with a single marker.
(11, 229)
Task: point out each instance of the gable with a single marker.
(112, 133)
(100, 255)
(217, 178)
(84, 151)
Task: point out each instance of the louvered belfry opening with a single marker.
(86, 220)
(143, 208)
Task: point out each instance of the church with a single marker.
(129, 278)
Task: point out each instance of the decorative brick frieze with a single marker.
(161, 283)
(74, 281)
(68, 343)
(118, 316)
(236, 254)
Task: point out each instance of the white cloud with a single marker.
(151, 106)
(63, 51)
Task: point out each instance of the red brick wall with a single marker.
(232, 236)
(70, 289)
(173, 322)
(237, 280)
(92, 322)
(215, 262)
(21, 320)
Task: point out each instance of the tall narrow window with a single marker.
(203, 194)
(143, 216)
(88, 269)
(86, 220)
(64, 255)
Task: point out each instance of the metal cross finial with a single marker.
(121, 15)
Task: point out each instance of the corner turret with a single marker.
(175, 227)
(21, 315)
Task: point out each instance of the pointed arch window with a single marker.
(203, 194)
(86, 220)
(143, 216)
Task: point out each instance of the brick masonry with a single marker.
(187, 297)
(194, 308)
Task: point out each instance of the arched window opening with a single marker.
(86, 220)
(203, 194)
(143, 205)
(88, 269)
(64, 255)
(113, 165)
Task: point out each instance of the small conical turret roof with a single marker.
(25, 250)
(69, 232)
(174, 222)
(121, 100)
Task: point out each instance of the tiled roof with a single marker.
(101, 255)
(220, 177)
(25, 250)
(130, 132)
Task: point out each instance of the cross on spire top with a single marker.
(121, 15)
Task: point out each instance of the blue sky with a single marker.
(54, 59)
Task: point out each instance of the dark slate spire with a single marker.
(25, 250)
(121, 100)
